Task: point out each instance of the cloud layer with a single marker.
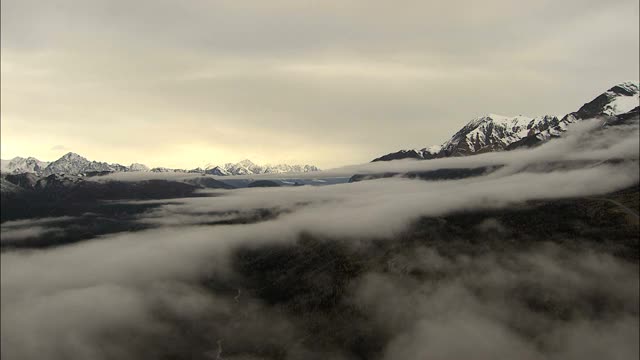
(371, 269)
(187, 83)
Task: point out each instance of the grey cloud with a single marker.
(18, 230)
(463, 316)
(388, 76)
(157, 283)
(10, 235)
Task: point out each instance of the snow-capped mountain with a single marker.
(166, 170)
(486, 133)
(284, 168)
(72, 163)
(216, 170)
(497, 132)
(244, 167)
(618, 100)
(19, 165)
(247, 167)
(138, 167)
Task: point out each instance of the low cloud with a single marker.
(19, 230)
(11, 235)
(345, 271)
(585, 141)
(59, 147)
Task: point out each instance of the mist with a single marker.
(390, 268)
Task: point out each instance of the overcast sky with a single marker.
(191, 82)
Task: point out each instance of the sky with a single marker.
(192, 82)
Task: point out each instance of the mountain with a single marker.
(72, 163)
(244, 167)
(247, 167)
(166, 170)
(497, 132)
(138, 167)
(284, 168)
(616, 105)
(216, 170)
(618, 100)
(19, 165)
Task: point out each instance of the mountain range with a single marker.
(497, 132)
(74, 164)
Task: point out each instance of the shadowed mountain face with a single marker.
(57, 195)
(263, 183)
(433, 175)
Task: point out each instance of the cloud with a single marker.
(330, 84)
(584, 141)
(373, 268)
(60, 147)
(529, 305)
(11, 235)
(18, 230)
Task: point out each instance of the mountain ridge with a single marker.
(493, 132)
(74, 164)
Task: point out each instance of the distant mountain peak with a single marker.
(74, 164)
(138, 167)
(248, 167)
(619, 99)
(19, 165)
(71, 155)
(626, 88)
(494, 132)
(246, 162)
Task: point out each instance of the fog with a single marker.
(23, 229)
(584, 141)
(402, 280)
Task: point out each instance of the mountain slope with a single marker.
(247, 167)
(19, 165)
(72, 163)
(496, 132)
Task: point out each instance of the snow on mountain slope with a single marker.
(244, 167)
(621, 98)
(247, 167)
(72, 163)
(166, 170)
(497, 132)
(618, 100)
(216, 170)
(4, 164)
(284, 168)
(490, 132)
(138, 167)
(19, 165)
